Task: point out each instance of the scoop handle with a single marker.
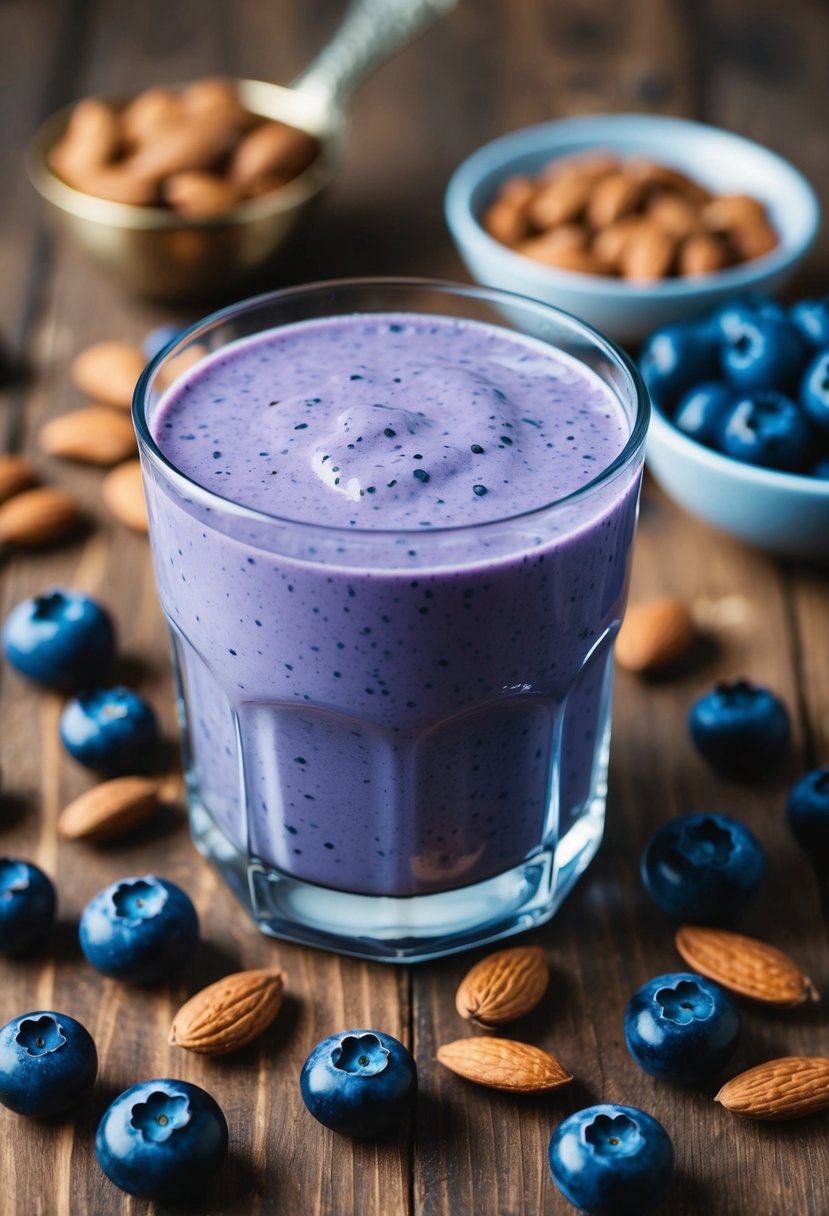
(371, 32)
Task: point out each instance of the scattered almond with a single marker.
(786, 1088)
(503, 986)
(110, 809)
(504, 1064)
(16, 474)
(123, 493)
(38, 517)
(95, 435)
(745, 965)
(655, 635)
(229, 1014)
(108, 372)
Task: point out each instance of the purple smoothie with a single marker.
(381, 698)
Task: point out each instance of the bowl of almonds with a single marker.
(630, 221)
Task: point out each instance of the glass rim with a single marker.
(227, 506)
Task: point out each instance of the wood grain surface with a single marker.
(754, 65)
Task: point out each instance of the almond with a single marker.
(200, 195)
(731, 211)
(745, 965)
(119, 184)
(611, 198)
(91, 139)
(517, 190)
(504, 1064)
(676, 214)
(214, 94)
(38, 517)
(109, 810)
(609, 244)
(753, 240)
(198, 141)
(505, 222)
(272, 148)
(561, 256)
(229, 1014)
(561, 201)
(786, 1088)
(702, 253)
(655, 635)
(647, 254)
(108, 372)
(123, 493)
(503, 986)
(655, 176)
(16, 474)
(149, 112)
(95, 435)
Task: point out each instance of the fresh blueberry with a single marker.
(48, 1063)
(740, 309)
(681, 1027)
(767, 429)
(27, 905)
(163, 1140)
(139, 929)
(701, 411)
(110, 730)
(62, 639)
(812, 319)
(703, 868)
(675, 358)
(763, 353)
(741, 728)
(158, 338)
(814, 390)
(807, 811)
(359, 1082)
(612, 1160)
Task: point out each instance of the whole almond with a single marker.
(108, 372)
(517, 190)
(745, 965)
(229, 1014)
(38, 517)
(120, 184)
(675, 213)
(200, 195)
(272, 148)
(786, 1088)
(197, 141)
(503, 986)
(149, 112)
(16, 474)
(648, 254)
(612, 197)
(110, 809)
(94, 435)
(91, 139)
(561, 256)
(702, 253)
(731, 211)
(753, 240)
(564, 236)
(609, 244)
(663, 177)
(505, 222)
(214, 94)
(504, 1064)
(561, 201)
(655, 635)
(123, 493)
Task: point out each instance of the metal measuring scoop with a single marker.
(159, 253)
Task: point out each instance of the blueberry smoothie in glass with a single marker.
(392, 545)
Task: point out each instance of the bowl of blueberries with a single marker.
(740, 427)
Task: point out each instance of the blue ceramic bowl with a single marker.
(783, 513)
(724, 162)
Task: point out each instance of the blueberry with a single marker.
(743, 308)
(763, 353)
(703, 868)
(163, 1140)
(675, 358)
(807, 811)
(701, 410)
(139, 929)
(742, 729)
(767, 429)
(611, 1160)
(359, 1082)
(681, 1027)
(62, 639)
(814, 390)
(48, 1063)
(158, 338)
(110, 730)
(27, 905)
(812, 319)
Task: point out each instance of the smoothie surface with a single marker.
(386, 420)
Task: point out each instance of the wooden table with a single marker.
(752, 65)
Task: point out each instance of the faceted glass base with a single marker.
(402, 930)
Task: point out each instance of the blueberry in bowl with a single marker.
(62, 639)
(359, 1082)
(703, 867)
(27, 905)
(681, 1027)
(110, 730)
(742, 729)
(48, 1063)
(163, 1140)
(141, 930)
(611, 1160)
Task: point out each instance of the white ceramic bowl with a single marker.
(783, 513)
(724, 162)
